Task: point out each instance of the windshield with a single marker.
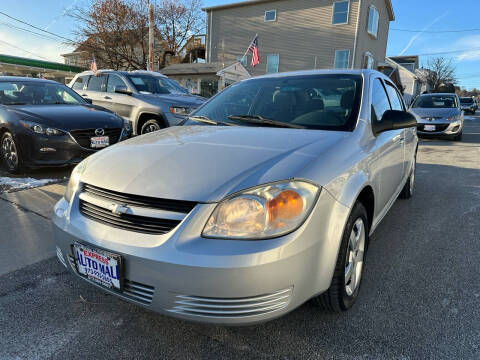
(466, 100)
(324, 102)
(433, 101)
(156, 85)
(37, 93)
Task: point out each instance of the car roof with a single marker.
(438, 94)
(123, 72)
(24, 78)
(363, 72)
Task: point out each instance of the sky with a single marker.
(429, 16)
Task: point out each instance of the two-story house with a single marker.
(300, 34)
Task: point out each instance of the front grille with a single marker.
(142, 224)
(139, 200)
(231, 307)
(139, 292)
(438, 127)
(82, 137)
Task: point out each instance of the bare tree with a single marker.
(176, 21)
(114, 31)
(438, 73)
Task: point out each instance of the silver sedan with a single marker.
(439, 115)
(264, 199)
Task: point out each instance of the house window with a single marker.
(369, 61)
(242, 60)
(373, 21)
(272, 63)
(271, 15)
(342, 58)
(340, 12)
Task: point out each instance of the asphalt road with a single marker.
(420, 296)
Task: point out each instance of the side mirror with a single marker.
(88, 100)
(122, 90)
(394, 120)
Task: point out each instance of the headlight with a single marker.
(75, 180)
(126, 126)
(453, 118)
(39, 129)
(263, 212)
(178, 110)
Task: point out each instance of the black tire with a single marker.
(10, 154)
(336, 299)
(458, 137)
(151, 126)
(408, 189)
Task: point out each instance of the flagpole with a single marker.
(246, 52)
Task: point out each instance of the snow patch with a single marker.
(23, 183)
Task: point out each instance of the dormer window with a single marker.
(271, 15)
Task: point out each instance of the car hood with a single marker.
(68, 117)
(191, 101)
(206, 163)
(440, 113)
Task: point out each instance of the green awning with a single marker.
(40, 64)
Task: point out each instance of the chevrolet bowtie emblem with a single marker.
(118, 209)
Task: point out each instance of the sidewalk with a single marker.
(25, 228)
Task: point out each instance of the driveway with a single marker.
(420, 296)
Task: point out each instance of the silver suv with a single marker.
(150, 101)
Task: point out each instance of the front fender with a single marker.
(346, 188)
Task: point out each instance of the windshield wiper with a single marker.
(16, 103)
(258, 119)
(207, 120)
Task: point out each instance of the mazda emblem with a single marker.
(99, 132)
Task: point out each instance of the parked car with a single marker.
(439, 115)
(264, 199)
(468, 105)
(149, 100)
(44, 123)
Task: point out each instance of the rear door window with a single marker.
(96, 83)
(80, 82)
(380, 102)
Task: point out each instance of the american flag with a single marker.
(253, 48)
(93, 65)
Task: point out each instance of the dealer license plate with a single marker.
(429, 128)
(99, 141)
(98, 265)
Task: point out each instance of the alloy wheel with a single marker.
(354, 257)
(412, 178)
(151, 128)
(9, 152)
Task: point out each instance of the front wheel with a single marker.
(345, 286)
(10, 154)
(151, 126)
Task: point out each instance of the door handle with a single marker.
(84, 95)
(398, 139)
(107, 97)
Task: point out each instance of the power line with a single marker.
(18, 48)
(448, 52)
(435, 31)
(29, 31)
(36, 27)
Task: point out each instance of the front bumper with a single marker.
(442, 129)
(215, 281)
(39, 150)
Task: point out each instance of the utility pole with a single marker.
(150, 36)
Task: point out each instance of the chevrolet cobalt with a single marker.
(264, 199)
